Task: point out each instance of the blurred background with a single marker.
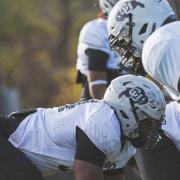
(38, 41)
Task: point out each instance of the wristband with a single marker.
(98, 82)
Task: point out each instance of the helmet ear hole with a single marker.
(123, 114)
(143, 29)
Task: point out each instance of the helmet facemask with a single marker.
(148, 139)
(132, 65)
(123, 45)
(137, 101)
(147, 134)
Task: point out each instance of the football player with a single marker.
(97, 64)
(94, 138)
(160, 57)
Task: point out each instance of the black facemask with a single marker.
(148, 143)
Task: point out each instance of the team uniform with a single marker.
(160, 57)
(90, 131)
(94, 37)
(98, 135)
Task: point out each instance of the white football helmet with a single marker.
(134, 99)
(107, 5)
(132, 21)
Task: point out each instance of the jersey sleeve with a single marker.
(86, 150)
(97, 60)
(94, 36)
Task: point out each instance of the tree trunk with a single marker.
(61, 54)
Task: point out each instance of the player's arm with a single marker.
(97, 75)
(87, 171)
(88, 159)
(84, 170)
(114, 174)
(97, 84)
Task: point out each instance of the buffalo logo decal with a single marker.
(136, 94)
(126, 8)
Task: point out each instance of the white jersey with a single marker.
(48, 137)
(161, 54)
(94, 35)
(172, 126)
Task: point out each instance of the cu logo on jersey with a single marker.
(136, 94)
(126, 8)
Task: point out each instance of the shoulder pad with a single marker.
(94, 34)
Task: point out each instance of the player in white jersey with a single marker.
(97, 64)
(93, 138)
(130, 23)
(160, 57)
